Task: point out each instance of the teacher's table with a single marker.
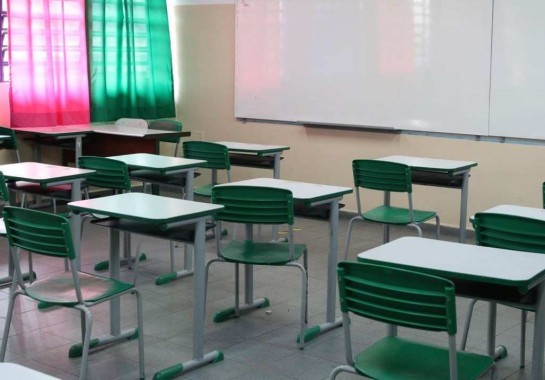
(492, 267)
(309, 195)
(101, 142)
(50, 175)
(255, 155)
(165, 165)
(440, 173)
(161, 217)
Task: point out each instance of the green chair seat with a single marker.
(397, 358)
(397, 215)
(204, 191)
(261, 253)
(59, 290)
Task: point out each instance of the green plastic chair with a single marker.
(11, 143)
(258, 205)
(49, 234)
(408, 299)
(216, 157)
(387, 177)
(509, 232)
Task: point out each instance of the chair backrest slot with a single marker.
(39, 232)
(109, 173)
(382, 175)
(397, 296)
(254, 205)
(215, 155)
(509, 232)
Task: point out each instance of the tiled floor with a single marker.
(260, 345)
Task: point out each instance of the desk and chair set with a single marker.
(409, 282)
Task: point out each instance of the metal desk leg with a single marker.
(199, 358)
(331, 322)
(188, 249)
(276, 169)
(463, 207)
(116, 335)
(75, 221)
(539, 335)
(79, 149)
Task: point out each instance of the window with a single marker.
(4, 66)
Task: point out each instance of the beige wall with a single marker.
(204, 55)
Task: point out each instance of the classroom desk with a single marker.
(166, 165)
(517, 270)
(255, 155)
(158, 217)
(527, 212)
(440, 173)
(310, 195)
(129, 140)
(50, 175)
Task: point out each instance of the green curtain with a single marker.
(130, 63)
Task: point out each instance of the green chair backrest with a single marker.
(215, 155)
(109, 173)
(167, 125)
(382, 175)
(39, 232)
(509, 232)
(10, 143)
(4, 193)
(255, 205)
(397, 296)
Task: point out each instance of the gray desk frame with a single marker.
(259, 150)
(450, 168)
(166, 213)
(49, 175)
(166, 165)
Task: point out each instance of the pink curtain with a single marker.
(48, 63)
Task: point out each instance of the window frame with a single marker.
(4, 52)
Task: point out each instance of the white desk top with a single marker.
(83, 129)
(485, 264)
(38, 172)
(431, 164)
(527, 212)
(146, 208)
(156, 161)
(13, 371)
(252, 148)
(309, 192)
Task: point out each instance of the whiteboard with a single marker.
(517, 97)
(406, 64)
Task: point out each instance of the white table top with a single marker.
(83, 129)
(526, 212)
(38, 172)
(156, 161)
(485, 264)
(303, 191)
(431, 164)
(146, 208)
(252, 148)
(13, 371)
